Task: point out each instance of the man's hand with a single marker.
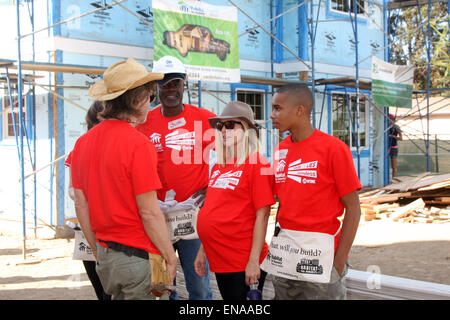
(349, 228)
(200, 197)
(200, 262)
(156, 228)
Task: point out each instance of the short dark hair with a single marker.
(299, 94)
(125, 105)
(92, 115)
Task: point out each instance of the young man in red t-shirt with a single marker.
(315, 181)
(182, 136)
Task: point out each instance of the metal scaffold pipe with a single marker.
(21, 129)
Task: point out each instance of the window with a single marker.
(342, 6)
(343, 123)
(255, 100)
(8, 123)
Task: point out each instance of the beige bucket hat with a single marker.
(120, 77)
(235, 110)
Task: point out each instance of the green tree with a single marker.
(409, 34)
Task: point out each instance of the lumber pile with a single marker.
(421, 199)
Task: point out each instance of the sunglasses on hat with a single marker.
(227, 124)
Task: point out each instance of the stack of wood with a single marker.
(421, 199)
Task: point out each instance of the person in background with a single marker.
(315, 181)
(232, 223)
(92, 119)
(179, 133)
(114, 175)
(395, 134)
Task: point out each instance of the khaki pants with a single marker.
(286, 289)
(123, 277)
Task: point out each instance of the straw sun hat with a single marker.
(120, 77)
(235, 110)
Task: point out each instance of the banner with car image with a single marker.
(203, 36)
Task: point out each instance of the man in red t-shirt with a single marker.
(315, 181)
(182, 136)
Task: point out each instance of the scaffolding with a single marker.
(25, 134)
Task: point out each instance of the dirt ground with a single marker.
(414, 251)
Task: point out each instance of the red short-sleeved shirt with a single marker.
(111, 164)
(310, 178)
(183, 143)
(226, 220)
(68, 160)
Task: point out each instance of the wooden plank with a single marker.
(422, 183)
(385, 198)
(403, 211)
(437, 202)
(385, 206)
(435, 186)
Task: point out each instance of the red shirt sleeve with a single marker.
(144, 172)
(262, 184)
(68, 161)
(344, 170)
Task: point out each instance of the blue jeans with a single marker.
(197, 287)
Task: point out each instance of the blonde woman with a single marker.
(232, 223)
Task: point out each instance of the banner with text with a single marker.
(392, 84)
(203, 36)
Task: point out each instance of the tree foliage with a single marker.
(408, 29)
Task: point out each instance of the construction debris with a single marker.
(421, 199)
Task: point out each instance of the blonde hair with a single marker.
(248, 145)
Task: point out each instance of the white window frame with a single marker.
(7, 111)
(263, 100)
(260, 122)
(360, 15)
(366, 119)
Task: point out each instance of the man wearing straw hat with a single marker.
(180, 134)
(115, 179)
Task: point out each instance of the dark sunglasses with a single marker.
(227, 124)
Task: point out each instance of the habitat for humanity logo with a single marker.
(303, 172)
(188, 8)
(178, 141)
(156, 139)
(228, 180)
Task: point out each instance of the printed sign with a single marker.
(181, 224)
(391, 84)
(302, 256)
(82, 250)
(203, 36)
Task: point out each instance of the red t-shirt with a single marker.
(226, 220)
(111, 164)
(310, 178)
(68, 160)
(183, 143)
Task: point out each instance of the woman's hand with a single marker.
(252, 272)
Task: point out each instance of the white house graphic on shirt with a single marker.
(156, 138)
(228, 180)
(303, 172)
(178, 141)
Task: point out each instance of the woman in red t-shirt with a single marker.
(232, 223)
